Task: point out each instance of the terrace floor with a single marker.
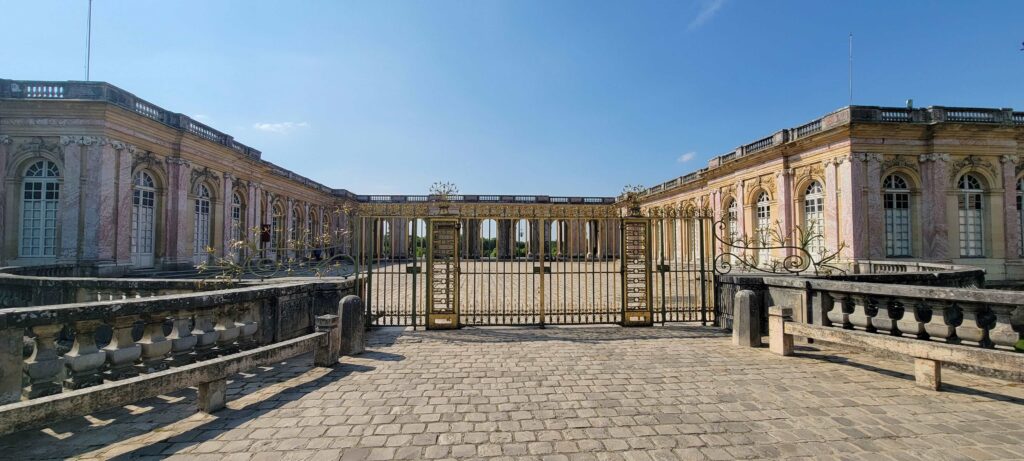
(675, 392)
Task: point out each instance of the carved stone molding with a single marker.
(205, 174)
(178, 161)
(971, 163)
(935, 157)
(4, 139)
(148, 160)
(38, 144)
(900, 161)
(84, 140)
(1009, 159)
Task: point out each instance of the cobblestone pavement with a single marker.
(677, 392)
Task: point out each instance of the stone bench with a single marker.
(928, 355)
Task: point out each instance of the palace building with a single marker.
(97, 177)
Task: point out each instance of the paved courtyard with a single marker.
(676, 392)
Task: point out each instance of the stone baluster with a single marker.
(839, 314)
(248, 325)
(976, 323)
(912, 323)
(943, 322)
(122, 352)
(886, 318)
(1003, 334)
(182, 340)
(43, 367)
(860, 318)
(85, 360)
(155, 346)
(228, 330)
(206, 335)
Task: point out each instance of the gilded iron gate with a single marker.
(498, 260)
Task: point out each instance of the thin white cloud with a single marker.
(686, 157)
(279, 127)
(708, 9)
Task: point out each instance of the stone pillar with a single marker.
(852, 202)
(505, 238)
(784, 208)
(928, 373)
(327, 353)
(353, 325)
(70, 201)
(227, 193)
(746, 323)
(934, 184)
(831, 202)
(108, 195)
(742, 212)
(5, 143)
(253, 215)
(1011, 216)
(178, 214)
(778, 341)
(874, 212)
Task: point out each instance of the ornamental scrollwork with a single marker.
(970, 163)
(205, 174)
(899, 161)
(804, 255)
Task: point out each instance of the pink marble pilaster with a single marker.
(252, 212)
(227, 195)
(177, 215)
(1011, 216)
(848, 193)
(831, 211)
(934, 182)
(122, 244)
(70, 200)
(784, 207)
(5, 147)
(105, 190)
(873, 197)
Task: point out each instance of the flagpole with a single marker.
(851, 68)
(88, 41)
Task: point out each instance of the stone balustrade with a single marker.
(68, 350)
(17, 290)
(988, 319)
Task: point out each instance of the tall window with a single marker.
(764, 227)
(969, 204)
(202, 224)
(237, 218)
(814, 222)
(143, 207)
(39, 201)
(732, 214)
(896, 201)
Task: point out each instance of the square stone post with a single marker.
(928, 373)
(778, 341)
(212, 395)
(11, 364)
(329, 350)
(746, 324)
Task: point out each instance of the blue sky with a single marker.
(542, 97)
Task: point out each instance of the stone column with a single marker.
(934, 180)
(831, 202)
(505, 237)
(784, 207)
(533, 241)
(70, 200)
(853, 231)
(178, 214)
(107, 195)
(1011, 216)
(287, 228)
(227, 193)
(873, 211)
(742, 212)
(5, 143)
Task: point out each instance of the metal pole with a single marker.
(88, 41)
(851, 68)
(703, 286)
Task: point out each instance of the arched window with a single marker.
(237, 217)
(1020, 216)
(814, 222)
(143, 212)
(972, 226)
(764, 228)
(39, 202)
(896, 201)
(732, 214)
(202, 225)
